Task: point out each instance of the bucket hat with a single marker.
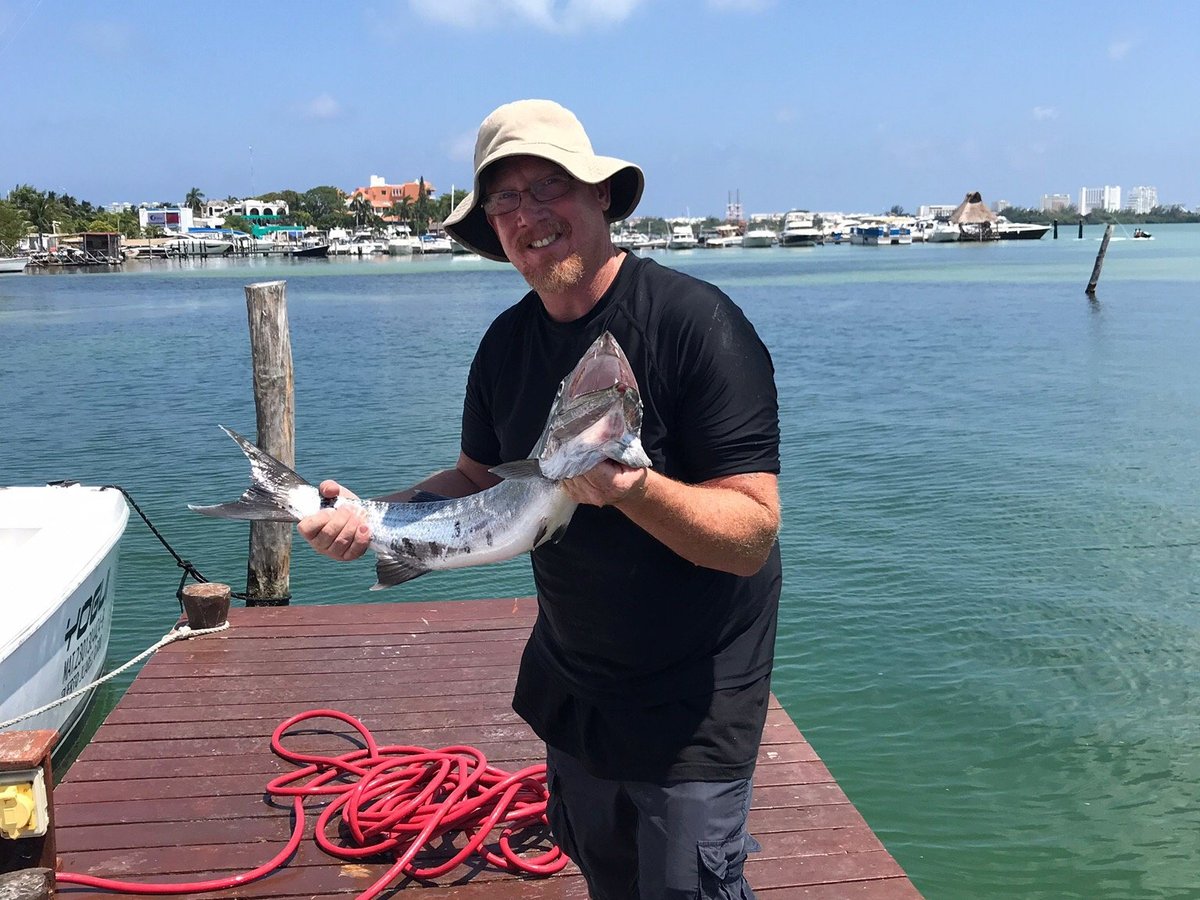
(547, 130)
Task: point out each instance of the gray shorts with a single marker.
(636, 840)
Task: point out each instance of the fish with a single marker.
(596, 414)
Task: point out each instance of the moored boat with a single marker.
(13, 263)
(942, 231)
(758, 237)
(58, 555)
(800, 229)
(682, 238)
(1018, 231)
(434, 243)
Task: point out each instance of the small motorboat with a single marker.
(1138, 234)
(58, 562)
(13, 263)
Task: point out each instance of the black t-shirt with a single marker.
(624, 622)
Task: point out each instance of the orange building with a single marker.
(384, 196)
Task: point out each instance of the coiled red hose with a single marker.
(392, 799)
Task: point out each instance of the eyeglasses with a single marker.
(543, 191)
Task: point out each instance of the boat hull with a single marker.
(59, 551)
(13, 264)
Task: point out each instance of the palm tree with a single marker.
(41, 212)
(364, 213)
(194, 199)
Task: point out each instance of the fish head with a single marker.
(596, 415)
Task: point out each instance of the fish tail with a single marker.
(272, 493)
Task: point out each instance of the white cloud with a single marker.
(1118, 50)
(1042, 113)
(556, 16)
(322, 106)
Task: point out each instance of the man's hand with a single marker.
(340, 534)
(607, 484)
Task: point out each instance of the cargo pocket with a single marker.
(721, 864)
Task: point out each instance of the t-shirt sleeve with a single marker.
(728, 409)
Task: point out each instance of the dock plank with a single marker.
(172, 786)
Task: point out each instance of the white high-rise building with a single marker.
(1055, 202)
(1107, 198)
(1141, 199)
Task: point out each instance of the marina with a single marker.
(986, 629)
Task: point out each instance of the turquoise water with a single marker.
(990, 626)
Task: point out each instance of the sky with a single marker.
(779, 103)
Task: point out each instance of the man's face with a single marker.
(557, 244)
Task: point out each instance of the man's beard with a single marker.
(558, 277)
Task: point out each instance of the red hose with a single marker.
(392, 799)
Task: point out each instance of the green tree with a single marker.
(422, 208)
(13, 226)
(363, 211)
(42, 213)
(239, 223)
(194, 199)
(327, 206)
(896, 210)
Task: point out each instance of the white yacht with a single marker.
(799, 229)
(942, 231)
(434, 243)
(13, 263)
(758, 237)
(726, 236)
(682, 238)
(402, 242)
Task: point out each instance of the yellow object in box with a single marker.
(23, 807)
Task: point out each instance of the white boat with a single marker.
(58, 556)
(758, 237)
(197, 245)
(13, 263)
(726, 236)
(682, 238)
(799, 229)
(1019, 231)
(942, 231)
(434, 243)
(402, 242)
(870, 235)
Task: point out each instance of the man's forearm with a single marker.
(727, 524)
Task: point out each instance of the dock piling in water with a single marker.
(1091, 288)
(267, 579)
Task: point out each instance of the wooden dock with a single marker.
(171, 788)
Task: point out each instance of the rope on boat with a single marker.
(178, 633)
(397, 800)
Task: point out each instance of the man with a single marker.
(647, 672)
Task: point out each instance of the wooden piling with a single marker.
(1091, 288)
(1081, 229)
(267, 581)
(1056, 229)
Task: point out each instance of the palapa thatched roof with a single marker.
(972, 211)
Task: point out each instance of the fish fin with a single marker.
(521, 468)
(391, 570)
(545, 536)
(267, 497)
